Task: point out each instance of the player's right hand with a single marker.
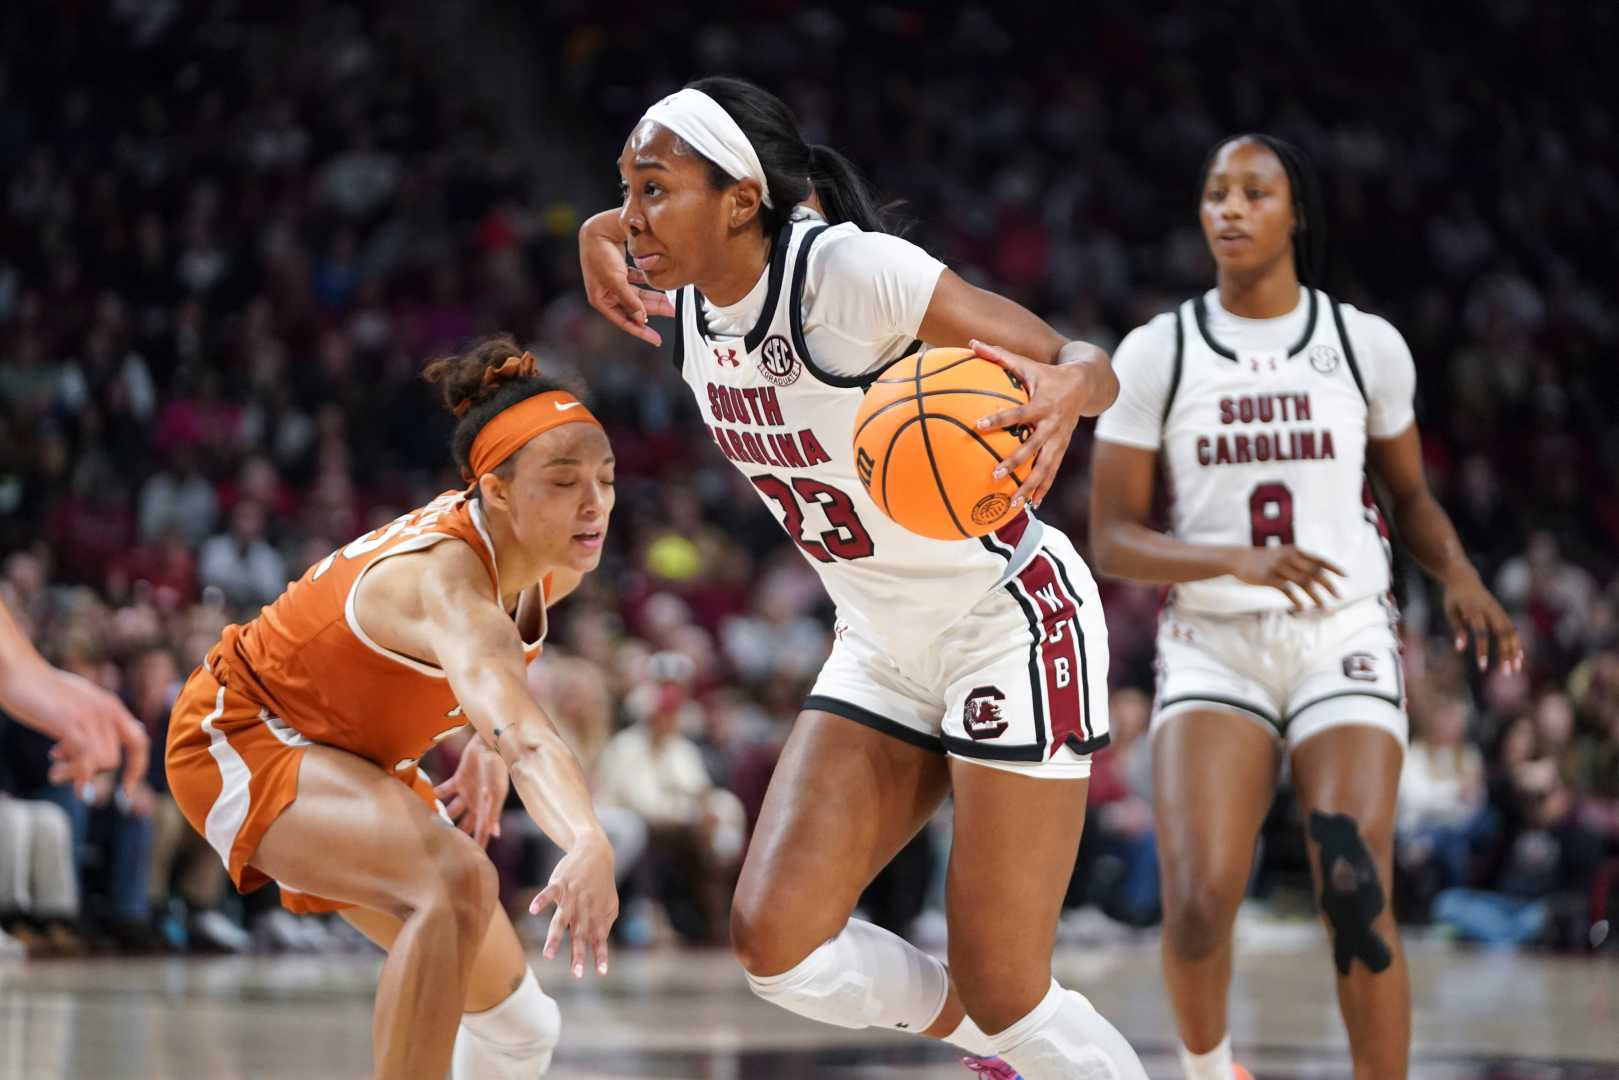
(1294, 573)
(615, 288)
(586, 897)
(93, 731)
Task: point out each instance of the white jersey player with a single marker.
(1266, 401)
(975, 667)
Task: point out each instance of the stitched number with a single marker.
(846, 539)
(1270, 508)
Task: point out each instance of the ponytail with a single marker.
(793, 168)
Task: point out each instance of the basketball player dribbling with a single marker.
(1267, 400)
(977, 668)
(293, 748)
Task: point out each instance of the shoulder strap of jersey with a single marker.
(796, 318)
(1175, 368)
(680, 330)
(1349, 348)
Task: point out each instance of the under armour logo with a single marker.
(727, 357)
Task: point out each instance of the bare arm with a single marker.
(479, 648)
(481, 653)
(1428, 534)
(1123, 545)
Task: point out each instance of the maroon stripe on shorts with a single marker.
(1061, 663)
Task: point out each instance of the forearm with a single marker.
(551, 784)
(544, 771)
(1431, 538)
(25, 678)
(1134, 552)
(607, 224)
(1104, 389)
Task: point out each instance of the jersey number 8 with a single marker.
(1270, 509)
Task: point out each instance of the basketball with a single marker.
(918, 449)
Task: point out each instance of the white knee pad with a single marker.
(864, 977)
(512, 1041)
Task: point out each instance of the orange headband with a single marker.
(508, 431)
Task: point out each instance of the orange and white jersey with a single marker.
(307, 660)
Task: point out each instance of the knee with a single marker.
(997, 990)
(762, 941)
(463, 887)
(1198, 919)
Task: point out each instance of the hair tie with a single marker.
(513, 367)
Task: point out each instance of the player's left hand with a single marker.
(1059, 394)
(1474, 612)
(474, 796)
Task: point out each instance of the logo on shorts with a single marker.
(990, 508)
(1324, 358)
(982, 715)
(1361, 666)
(778, 363)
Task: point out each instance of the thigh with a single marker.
(1350, 771)
(497, 971)
(1016, 839)
(844, 798)
(357, 836)
(1213, 781)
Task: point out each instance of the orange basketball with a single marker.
(919, 451)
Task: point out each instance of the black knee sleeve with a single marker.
(1351, 896)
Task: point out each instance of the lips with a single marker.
(649, 262)
(591, 540)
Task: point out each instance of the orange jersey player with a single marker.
(293, 749)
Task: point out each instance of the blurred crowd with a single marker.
(230, 236)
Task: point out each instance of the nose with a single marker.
(631, 217)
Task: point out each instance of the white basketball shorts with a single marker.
(1019, 683)
(1295, 673)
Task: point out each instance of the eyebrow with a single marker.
(575, 461)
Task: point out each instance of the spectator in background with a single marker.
(1441, 815)
(241, 562)
(696, 829)
(39, 887)
(181, 860)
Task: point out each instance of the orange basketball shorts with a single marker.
(233, 768)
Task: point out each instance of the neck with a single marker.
(518, 570)
(1262, 294)
(743, 260)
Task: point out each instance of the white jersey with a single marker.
(779, 400)
(1262, 425)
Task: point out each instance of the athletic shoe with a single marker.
(992, 1067)
(1240, 1073)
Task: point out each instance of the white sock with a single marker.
(969, 1038)
(512, 1041)
(1214, 1065)
(1065, 1038)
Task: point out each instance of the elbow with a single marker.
(1104, 549)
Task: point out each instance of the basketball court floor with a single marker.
(679, 1015)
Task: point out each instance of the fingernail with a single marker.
(1017, 502)
(578, 971)
(601, 969)
(983, 424)
(1000, 474)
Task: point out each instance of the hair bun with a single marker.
(513, 367)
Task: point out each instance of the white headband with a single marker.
(708, 129)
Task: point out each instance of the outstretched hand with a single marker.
(586, 898)
(473, 797)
